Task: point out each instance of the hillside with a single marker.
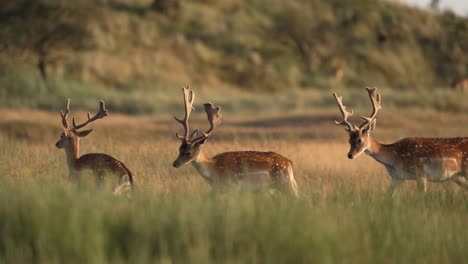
(131, 53)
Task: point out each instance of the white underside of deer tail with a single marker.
(125, 186)
(293, 181)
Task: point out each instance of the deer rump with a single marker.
(100, 165)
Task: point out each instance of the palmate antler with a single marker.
(212, 113)
(189, 97)
(344, 113)
(375, 100)
(65, 115)
(102, 112)
(214, 117)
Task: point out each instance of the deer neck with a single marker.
(72, 154)
(204, 166)
(379, 152)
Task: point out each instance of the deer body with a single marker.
(436, 159)
(249, 170)
(420, 159)
(98, 164)
(246, 170)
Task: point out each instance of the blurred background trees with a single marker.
(261, 45)
(43, 29)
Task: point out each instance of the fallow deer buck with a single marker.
(98, 164)
(420, 159)
(245, 170)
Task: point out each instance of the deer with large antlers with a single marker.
(420, 159)
(98, 164)
(246, 170)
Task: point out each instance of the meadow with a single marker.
(342, 215)
(272, 66)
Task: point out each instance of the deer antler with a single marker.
(214, 117)
(100, 114)
(346, 114)
(65, 115)
(189, 97)
(375, 98)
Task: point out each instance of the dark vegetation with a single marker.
(136, 48)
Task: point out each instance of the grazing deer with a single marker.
(420, 159)
(98, 163)
(247, 170)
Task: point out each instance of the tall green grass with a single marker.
(50, 223)
(343, 214)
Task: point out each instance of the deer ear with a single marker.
(370, 127)
(84, 133)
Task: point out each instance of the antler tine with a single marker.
(214, 118)
(101, 113)
(344, 113)
(65, 115)
(189, 98)
(375, 98)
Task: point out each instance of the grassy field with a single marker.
(342, 215)
(272, 66)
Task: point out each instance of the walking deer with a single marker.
(246, 170)
(98, 164)
(420, 159)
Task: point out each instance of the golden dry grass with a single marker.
(173, 216)
(148, 146)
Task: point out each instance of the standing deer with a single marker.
(420, 159)
(246, 170)
(98, 163)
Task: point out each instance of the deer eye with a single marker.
(187, 153)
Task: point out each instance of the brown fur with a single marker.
(102, 164)
(252, 170)
(277, 166)
(420, 159)
(99, 164)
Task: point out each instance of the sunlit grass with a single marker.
(342, 214)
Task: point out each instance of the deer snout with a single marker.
(57, 145)
(350, 155)
(175, 164)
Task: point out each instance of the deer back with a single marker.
(242, 162)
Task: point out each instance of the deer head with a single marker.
(191, 143)
(70, 136)
(359, 135)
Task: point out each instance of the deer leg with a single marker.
(99, 178)
(287, 185)
(461, 181)
(288, 189)
(75, 178)
(394, 185)
(291, 187)
(421, 182)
